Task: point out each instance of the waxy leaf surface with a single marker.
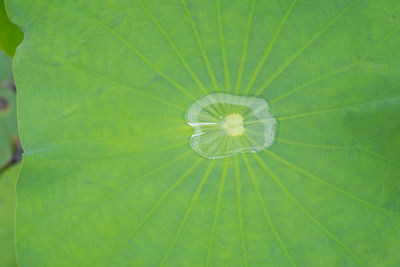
(109, 177)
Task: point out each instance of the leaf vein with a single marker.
(301, 50)
(188, 212)
(306, 212)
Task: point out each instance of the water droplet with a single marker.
(225, 125)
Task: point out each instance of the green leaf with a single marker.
(10, 35)
(8, 181)
(8, 117)
(109, 177)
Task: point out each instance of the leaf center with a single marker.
(233, 125)
(225, 125)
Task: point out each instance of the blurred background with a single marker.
(10, 147)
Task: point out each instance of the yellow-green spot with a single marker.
(233, 125)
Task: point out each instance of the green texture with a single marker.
(10, 34)
(8, 117)
(8, 181)
(109, 177)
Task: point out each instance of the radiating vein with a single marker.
(141, 56)
(343, 108)
(320, 78)
(115, 156)
(239, 213)
(172, 44)
(313, 113)
(118, 139)
(126, 87)
(131, 116)
(379, 137)
(301, 50)
(306, 212)
(188, 212)
(153, 171)
(217, 210)
(266, 213)
(118, 190)
(321, 146)
(222, 43)
(244, 48)
(201, 46)
(378, 44)
(154, 208)
(269, 47)
(80, 69)
(321, 181)
(340, 70)
(379, 156)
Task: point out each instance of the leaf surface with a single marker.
(109, 177)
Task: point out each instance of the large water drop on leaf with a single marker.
(225, 125)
